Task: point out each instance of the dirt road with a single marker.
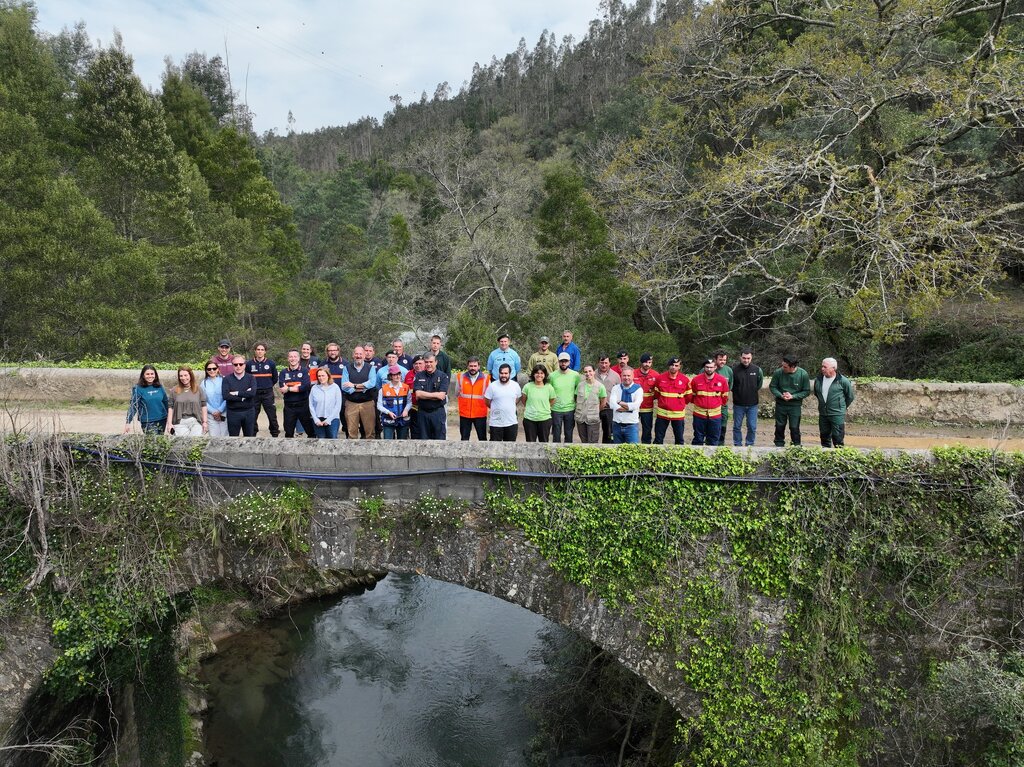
(102, 420)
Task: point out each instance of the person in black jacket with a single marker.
(239, 390)
(747, 379)
(264, 370)
(295, 384)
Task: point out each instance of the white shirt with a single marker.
(503, 399)
(625, 416)
(825, 384)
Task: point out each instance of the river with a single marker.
(414, 672)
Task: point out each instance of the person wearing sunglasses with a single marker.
(216, 407)
(239, 390)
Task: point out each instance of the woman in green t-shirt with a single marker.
(539, 396)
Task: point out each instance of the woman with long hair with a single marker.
(186, 414)
(216, 407)
(148, 402)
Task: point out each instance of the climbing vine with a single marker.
(789, 596)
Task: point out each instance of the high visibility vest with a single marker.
(471, 395)
(672, 395)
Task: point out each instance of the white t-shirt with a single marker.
(503, 399)
(826, 384)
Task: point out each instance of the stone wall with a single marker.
(963, 404)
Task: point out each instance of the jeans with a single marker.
(562, 423)
(153, 427)
(706, 431)
(739, 414)
(394, 432)
(330, 431)
(625, 433)
(661, 426)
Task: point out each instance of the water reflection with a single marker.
(414, 672)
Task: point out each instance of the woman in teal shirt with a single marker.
(539, 396)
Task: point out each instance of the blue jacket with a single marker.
(149, 403)
(214, 395)
(574, 354)
(296, 384)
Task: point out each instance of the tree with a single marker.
(478, 244)
(800, 155)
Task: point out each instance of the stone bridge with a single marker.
(478, 554)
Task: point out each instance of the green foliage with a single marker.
(280, 520)
(857, 545)
(429, 512)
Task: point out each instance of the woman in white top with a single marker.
(325, 405)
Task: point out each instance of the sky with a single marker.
(330, 63)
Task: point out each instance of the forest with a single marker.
(814, 178)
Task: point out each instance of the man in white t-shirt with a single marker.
(502, 396)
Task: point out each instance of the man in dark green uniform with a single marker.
(790, 385)
(834, 393)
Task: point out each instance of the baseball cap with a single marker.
(564, 356)
(394, 370)
(545, 340)
(646, 357)
(224, 342)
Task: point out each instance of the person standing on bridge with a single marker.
(186, 409)
(216, 407)
(264, 370)
(790, 385)
(239, 390)
(149, 402)
(834, 393)
(747, 379)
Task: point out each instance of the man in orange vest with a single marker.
(472, 384)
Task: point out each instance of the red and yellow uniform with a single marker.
(648, 382)
(708, 395)
(672, 395)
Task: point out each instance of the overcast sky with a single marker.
(330, 63)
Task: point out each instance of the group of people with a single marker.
(397, 396)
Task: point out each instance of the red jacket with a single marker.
(708, 395)
(672, 394)
(648, 383)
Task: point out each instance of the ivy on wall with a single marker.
(812, 605)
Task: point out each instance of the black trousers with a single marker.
(537, 431)
(265, 401)
(646, 427)
(504, 433)
(432, 424)
(243, 421)
(606, 426)
(298, 413)
(467, 425)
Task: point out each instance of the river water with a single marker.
(414, 672)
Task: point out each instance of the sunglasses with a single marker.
(211, 368)
(238, 364)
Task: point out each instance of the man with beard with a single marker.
(502, 396)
